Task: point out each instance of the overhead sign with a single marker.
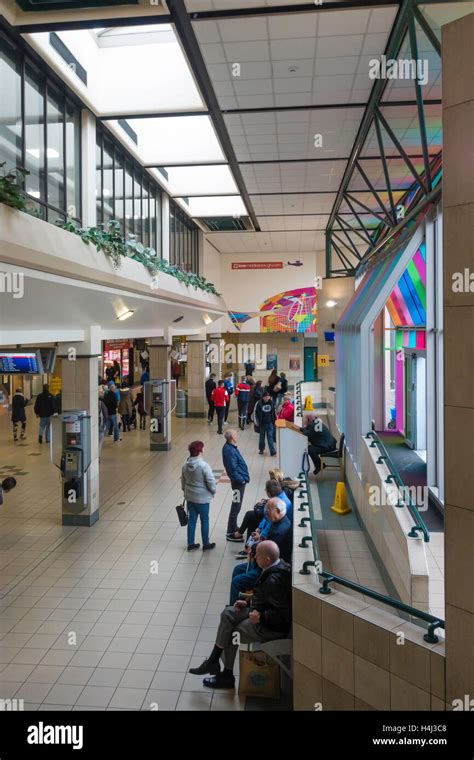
(115, 345)
(257, 265)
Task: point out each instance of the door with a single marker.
(410, 400)
(309, 364)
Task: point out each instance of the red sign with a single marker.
(115, 345)
(257, 265)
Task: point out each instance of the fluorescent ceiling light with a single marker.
(207, 319)
(216, 206)
(331, 304)
(126, 315)
(35, 152)
(173, 139)
(191, 180)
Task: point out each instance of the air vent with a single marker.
(227, 223)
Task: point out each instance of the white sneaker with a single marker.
(226, 423)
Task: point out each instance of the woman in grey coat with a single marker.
(199, 486)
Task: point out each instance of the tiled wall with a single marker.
(458, 250)
(349, 654)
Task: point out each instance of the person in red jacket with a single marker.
(287, 411)
(219, 398)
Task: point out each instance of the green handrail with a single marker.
(432, 621)
(384, 456)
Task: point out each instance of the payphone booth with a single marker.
(71, 453)
(160, 400)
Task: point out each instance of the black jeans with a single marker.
(238, 490)
(227, 410)
(220, 411)
(142, 421)
(210, 411)
(243, 407)
(250, 522)
(314, 452)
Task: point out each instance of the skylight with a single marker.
(215, 206)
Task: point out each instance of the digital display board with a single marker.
(19, 363)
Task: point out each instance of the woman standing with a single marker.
(199, 486)
(274, 385)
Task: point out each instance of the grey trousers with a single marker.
(235, 628)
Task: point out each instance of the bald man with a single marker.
(264, 617)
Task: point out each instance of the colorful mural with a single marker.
(294, 311)
(407, 303)
(289, 312)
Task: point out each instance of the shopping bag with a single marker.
(182, 515)
(259, 675)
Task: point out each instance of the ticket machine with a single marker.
(160, 401)
(71, 453)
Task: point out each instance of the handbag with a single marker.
(182, 515)
(259, 675)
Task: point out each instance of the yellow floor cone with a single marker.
(340, 506)
(308, 404)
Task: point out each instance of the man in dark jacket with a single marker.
(111, 402)
(44, 409)
(267, 616)
(210, 385)
(19, 403)
(320, 440)
(265, 417)
(238, 473)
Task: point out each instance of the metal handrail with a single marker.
(394, 474)
(433, 622)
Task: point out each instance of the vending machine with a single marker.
(160, 401)
(71, 453)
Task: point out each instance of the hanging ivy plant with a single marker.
(108, 238)
(11, 187)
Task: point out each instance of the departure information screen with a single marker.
(26, 364)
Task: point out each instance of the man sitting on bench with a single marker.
(265, 617)
(320, 440)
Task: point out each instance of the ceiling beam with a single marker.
(153, 115)
(273, 10)
(93, 23)
(193, 53)
(326, 106)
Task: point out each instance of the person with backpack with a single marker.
(242, 393)
(44, 409)
(19, 403)
(265, 417)
(199, 487)
(229, 386)
(220, 397)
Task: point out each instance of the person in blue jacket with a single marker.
(238, 473)
(229, 386)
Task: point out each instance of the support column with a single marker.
(458, 236)
(197, 404)
(217, 353)
(160, 365)
(88, 164)
(80, 368)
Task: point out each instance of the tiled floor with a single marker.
(84, 623)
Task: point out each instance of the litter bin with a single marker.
(181, 404)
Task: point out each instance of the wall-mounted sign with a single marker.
(257, 265)
(116, 345)
(323, 360)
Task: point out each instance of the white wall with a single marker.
(247, 289)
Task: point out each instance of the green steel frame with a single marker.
(346, 252)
